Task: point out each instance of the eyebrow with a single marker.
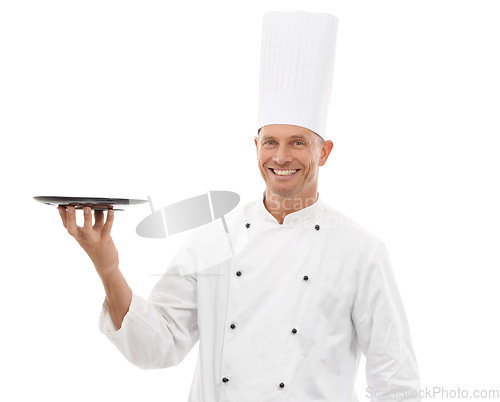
(293, 137)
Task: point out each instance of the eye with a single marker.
(298, 143)
(269, 142)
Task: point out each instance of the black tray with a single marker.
(96, 203)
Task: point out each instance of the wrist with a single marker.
(107, 273)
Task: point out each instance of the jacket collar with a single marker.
(302, 217)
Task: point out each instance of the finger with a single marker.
(62, 214)
(106, 230)
(71, 221)
(87, 220)
(99, 220)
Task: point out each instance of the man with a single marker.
(286, 315)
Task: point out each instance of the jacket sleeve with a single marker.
(159, 332)
(383, 333)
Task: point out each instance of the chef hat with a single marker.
(296, 70)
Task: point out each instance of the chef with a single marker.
(305, 290)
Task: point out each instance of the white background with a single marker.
(130, 99)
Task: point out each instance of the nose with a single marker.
(282, 155)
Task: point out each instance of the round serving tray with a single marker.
(96, 203)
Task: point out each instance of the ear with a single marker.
(256, 140)
(326, 148)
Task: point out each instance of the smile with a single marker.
(284, 172)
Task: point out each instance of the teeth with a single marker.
(284, 172)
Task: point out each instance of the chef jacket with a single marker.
(282, 311)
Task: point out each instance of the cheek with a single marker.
(263, 156)
(309, 159)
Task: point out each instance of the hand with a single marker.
(95, 240)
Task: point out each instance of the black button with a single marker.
(232, 326)
(294, 331)
(247, 225)
(225, 379)
(282, 385)
(306, 278)
(238, 273)
(316, 227)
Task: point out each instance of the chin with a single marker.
(282, 192)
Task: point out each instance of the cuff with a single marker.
(106, 324)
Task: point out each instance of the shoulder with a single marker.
(359, 245)
(349, 231)
(243, 213)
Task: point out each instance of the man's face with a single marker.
(289, 158)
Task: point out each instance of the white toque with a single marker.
(296, 69)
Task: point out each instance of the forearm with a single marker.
(118, 295)
(383, 333)
(154, 333)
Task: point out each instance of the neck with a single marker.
(279, 207)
